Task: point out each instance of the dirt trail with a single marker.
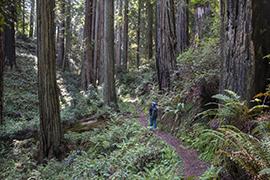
(193, 167)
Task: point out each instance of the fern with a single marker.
(245, 150)
(232, 110)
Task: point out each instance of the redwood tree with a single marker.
(245, 38)
(202, 15)
(1, 70)
(125, 37)
(119, 35)
(61, 40)
(32, 17)
(165, 42)
(68, 36)
(98, 41)
(88, 63)
(109, 92)
(182, 23)
(150, 23)
(9, 33)
(50, 124)
(139, 34)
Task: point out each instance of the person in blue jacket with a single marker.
(153, 113)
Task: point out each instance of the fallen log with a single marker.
(79, 126)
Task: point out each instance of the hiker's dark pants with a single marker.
(153, 123)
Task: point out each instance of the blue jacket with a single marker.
(153, 112)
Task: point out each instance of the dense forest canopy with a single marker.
(84, 83)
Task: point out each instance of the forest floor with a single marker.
(120, 148)
(123, 147)
(193, 166)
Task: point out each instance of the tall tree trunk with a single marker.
(88, 56)
(182, 22)
(109, 91)
(1, 71)
(245, 41)
(165, 42)
(50, 124)
(125, 37)
(9, 33)
(119, 35)
(32, 17)
(61, 42)
(23, 17)
(99, 43)
(68, 36)
(202, 12)
(150, 22)
(138, 34)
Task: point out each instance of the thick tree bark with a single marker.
(182, 22)
(138, 34)
(109, 92)
(32, 18)
(150, 22)
(61, 41)
(1, 72)
(50, 124)
(9, 33)
(125, 37)
(165, 42)
(245, 41)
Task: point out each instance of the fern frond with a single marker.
(258, 108)
(222, 97)
(232, 94)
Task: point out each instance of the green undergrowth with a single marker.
(121, 150)
(21, 94)
(236, 137)
(197, 63)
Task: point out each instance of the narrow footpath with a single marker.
(193, 166)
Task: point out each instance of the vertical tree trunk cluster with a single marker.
(9, 33)
(50, 124)
(61, 38)
(99, 42)
(23, 16)
(139, 33)
(99, 60)
(119, 34)
(182, 23)
(1, 70)
(88, 72)
(125, 37)
(202, 11)
(94, 44)
(150, 22)
(32, 18)
(165, 42)
(64, 35)
(244, 44)
(109, 82)
(68, 35)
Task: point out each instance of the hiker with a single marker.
(153, 113)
